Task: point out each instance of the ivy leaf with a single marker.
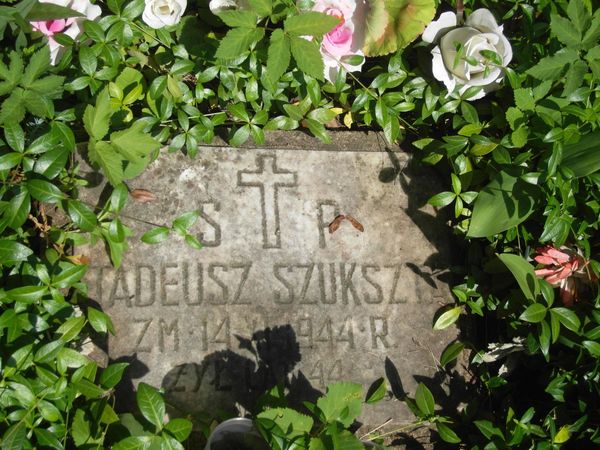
(308, 57)
(278, 58)
(311, 23)
(237, 41)
(564, 30)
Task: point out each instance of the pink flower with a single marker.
(342, 41)
(70, 26)
(562, 268)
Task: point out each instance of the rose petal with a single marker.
(435, 29)
(544, 259)
(561, 257)
(448, 45)
(439, 70)
(483, 20)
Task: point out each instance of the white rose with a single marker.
(468, 66)
(163, 13)
(70, 26)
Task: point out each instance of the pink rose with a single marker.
(342, 41)
(70, 26)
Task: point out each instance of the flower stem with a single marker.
(460, 11)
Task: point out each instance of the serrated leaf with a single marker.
(307, 57)
(591, 36)
(261, 7)
(524, 99)
(238, 41)
(579, 15)
(133, 143)
(564, 30)
(151, 404)
(13, 109)
(574, 77)
(289, 424)
(96, 118)
(552, 67)
(108, 159)
(237, 18)
(310, 23)
(278, 58)
(38, 64)
(340, 398)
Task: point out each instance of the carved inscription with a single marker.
(269, 179)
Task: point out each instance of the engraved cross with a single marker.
(269, 179)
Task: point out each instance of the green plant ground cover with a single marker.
(517, 139)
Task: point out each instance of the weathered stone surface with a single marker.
(273, 295)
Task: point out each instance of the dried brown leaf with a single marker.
(335, 224)
(355, 223)
(143, 195)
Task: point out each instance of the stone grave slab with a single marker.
(274, 296)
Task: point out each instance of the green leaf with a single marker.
(70, 329)
(552, 67)
(10, 160)
(310, 23)
(451, 353)
(579, 15)
(393, 24)
(307, 57)
(18, 209)
(424, 399)
(26, 294)
(13, 109)
(563, 434)
(524, 99)
(42, 11)
(151, 404)
(237, 18)
(583, 157)
(592, 347)
(184, 222)
(45, 438)
(69, 276)
(100, 321)
(134, 443)
(564, 30)
(567, 317)
(523, 273)
(261, 7)
(342, 403)
(14, 136)
(278, 58)
(285, 423)
(574, 77)
(107, 157)
(156, 235)
(47, 352)
(488, 429)
(447, 318)
(504, 203)
(52, 162)
(82, 215)
(96, 119)
(12, 252)
(112, 375)
(133, 144)
(45, 191)
(15, 438)
(179, 428)
(447, 434)
(237, 41)
(89, 389)
(38, 64)
(376, 391)
(534, 313)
